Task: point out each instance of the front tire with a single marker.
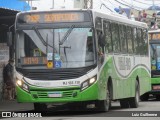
(104, 105)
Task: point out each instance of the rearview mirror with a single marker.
(9, 38)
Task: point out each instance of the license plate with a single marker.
(55, 94)
(156, 87)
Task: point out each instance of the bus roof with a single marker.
(119, 18)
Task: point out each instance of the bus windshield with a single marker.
(155, 56)
(66, 47)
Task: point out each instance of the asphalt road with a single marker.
(146, 111)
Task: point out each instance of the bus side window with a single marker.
(101, 41)
(144, 41)
(107, 36)
(129, 40)
(115, 38)
(136, 44)
(139, 43)
(122, 34)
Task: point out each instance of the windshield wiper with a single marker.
(41, 38)
(66, 35)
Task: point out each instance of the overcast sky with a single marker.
(111, 4)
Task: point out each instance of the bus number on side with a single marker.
(124, 63)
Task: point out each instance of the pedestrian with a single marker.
(132, 17)
(140, 17)
(124, 13)
(8, 77)
(153, 20)
(144, 16)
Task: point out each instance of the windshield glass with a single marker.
(66, 48)
(155, 56)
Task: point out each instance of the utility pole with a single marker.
(88, 4)
(52, 4)
(83, 4)
(29, 3)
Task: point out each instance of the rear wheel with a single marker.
(134, 102)
(40, 107)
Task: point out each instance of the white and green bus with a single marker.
(154, 40)
(80, 57)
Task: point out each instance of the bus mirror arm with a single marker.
(9, 38)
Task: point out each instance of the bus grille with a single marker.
(65, 94)
(54, 74)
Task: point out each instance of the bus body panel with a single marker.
(122, 69)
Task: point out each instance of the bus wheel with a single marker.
(144, 97)
(104, 105)
(124, 103)
(134, 102)
(40, 106)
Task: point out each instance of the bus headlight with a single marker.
(19, 82)
(88, 83)
(23, 85)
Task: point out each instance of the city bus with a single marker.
(154, 40)
(80, 57)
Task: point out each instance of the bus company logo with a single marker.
(6, 114)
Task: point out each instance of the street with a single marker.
(146, 110)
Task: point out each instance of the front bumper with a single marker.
(69, 95)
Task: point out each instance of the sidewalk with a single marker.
(12, 105)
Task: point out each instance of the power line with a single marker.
(106, 7)
(128, 5)
(141, 2)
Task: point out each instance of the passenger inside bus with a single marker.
(37, 52)
(89, 50)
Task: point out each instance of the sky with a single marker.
(111, 4)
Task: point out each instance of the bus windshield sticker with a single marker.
(57, 64)
(49, 56)
(50, 64)
(89, 33)
(56, 57)
(158, 59)
(158, 66)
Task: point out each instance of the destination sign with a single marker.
(154, 36)
(33, 60)
(53, 17)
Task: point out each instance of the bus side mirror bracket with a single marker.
(9, 38)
